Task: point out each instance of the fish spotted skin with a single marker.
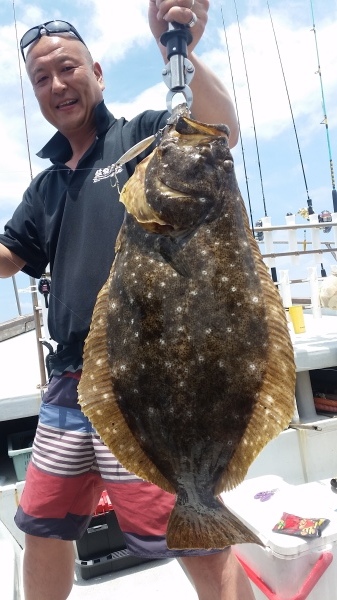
(188, 366)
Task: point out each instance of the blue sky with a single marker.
(120, 40)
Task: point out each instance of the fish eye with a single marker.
(228, 165)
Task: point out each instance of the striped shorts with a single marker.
(69, 469)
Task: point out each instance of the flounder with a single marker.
(188, 366)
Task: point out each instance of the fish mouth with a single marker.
(171, 192)
(185, 125)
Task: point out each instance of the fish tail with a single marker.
(215, 527)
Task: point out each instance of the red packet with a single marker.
(303, 527)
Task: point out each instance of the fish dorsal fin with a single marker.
(98, 401)
(275, 403)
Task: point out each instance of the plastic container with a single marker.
(288, 567)
(115, 561)
(102, 548)
(20, 450)
(102, 537)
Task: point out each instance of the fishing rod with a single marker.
(272, 269)
(22, 94)
(324, 215)
(309, 201)
(239, 125)
(35, 301)
(325, 118)
(251, 108)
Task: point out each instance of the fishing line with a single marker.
(237, 113)
(325, 118)
(252, 111)
(35, 301)
(22, 94)
(309, 201)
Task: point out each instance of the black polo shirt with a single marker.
(68, 221)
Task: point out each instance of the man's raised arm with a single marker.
(212, 102)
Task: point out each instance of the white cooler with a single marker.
(289, 567)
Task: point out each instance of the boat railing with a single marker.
(22, 323)
(296, 253)
(314, 227)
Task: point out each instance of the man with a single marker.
(71, 223)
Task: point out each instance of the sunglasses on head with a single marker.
(35, 33)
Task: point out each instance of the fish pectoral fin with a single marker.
(206, 527)
(172, 253)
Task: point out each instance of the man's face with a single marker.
(66, 83)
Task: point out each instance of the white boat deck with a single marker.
(162, 580)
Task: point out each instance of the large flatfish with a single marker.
(188, 366)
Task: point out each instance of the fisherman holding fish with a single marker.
(71, 223)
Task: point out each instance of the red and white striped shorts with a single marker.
(69, 469)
